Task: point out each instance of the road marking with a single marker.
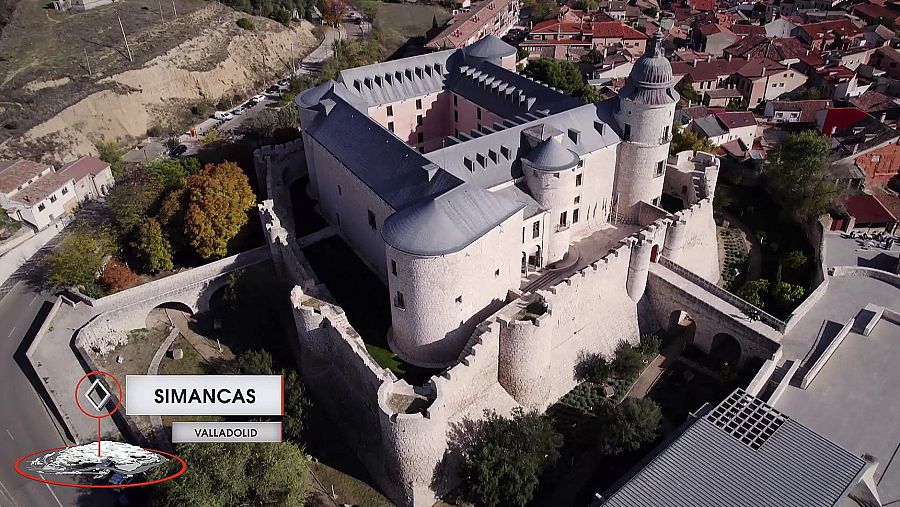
(7, 494)
(52, 493)
(11, 331)
(32, 300)
(10, 435)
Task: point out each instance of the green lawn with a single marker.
(410, 20)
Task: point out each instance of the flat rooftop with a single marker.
(853, 400)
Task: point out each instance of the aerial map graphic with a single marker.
(449, 253)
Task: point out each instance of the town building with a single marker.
(722, 127)
(561, 38)
(794, 111)
(478, 20)
(92, 177)
(34, 193)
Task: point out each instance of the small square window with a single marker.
(496, 273)
(418, 119)
(41, 207)
(577, 199)
(391, 126)
(578, 178)
(455, 115)
(535, 230)
(398, 301)
(580, 162)
(459, 299)
(575, 216)
(660, 167)
(65, 191)
(418, 103)
(479, 113)
(53, 198)
(393, 267)
(390, 110)
(372, 223)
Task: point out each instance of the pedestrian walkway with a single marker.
(208, 349)
(656, 368)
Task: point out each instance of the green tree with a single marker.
(218, 197)
(505, 463)
(111, 153)
(133, 199)
(798, 178)
(255, 362)
(288, 116)
(78, 260)
(556, 73)
(237, 474)
(788, 295)
(152, 248)
(795, 260)
(685, 139)
(752, 292)
(628, 363)
(541, 10)
(296, 407)
(246, 24)
(171, 218)
(688, 92)
(649, 344)
(627, 426)
(212, 138)
(170, 172)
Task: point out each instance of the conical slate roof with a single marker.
(488, 48)
(651, 81)
(312, 96)
(552, 156)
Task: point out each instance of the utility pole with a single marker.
(174, 10)
(130, 58)
(87, 62)
(161, 17)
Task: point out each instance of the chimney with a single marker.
(855, 148)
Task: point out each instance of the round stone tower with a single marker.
(550, 175)
(490, 49)
(645, 116)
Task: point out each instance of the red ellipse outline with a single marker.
(114, 410)
(100, 486)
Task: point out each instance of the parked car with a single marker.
(259, 98)
(284, 82)
(237, 111)
(250, 103)
(222, 115)
(178, 151)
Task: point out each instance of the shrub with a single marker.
(117, 276)
(752, 292)
(627, 364)
(155, 131)
(201, 109)
(11, 125)
(628, 426)
(246, 24)
(649, 344)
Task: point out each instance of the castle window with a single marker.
(393, 267)
(66, 190)
(418, 103)
(563, 219)
(574, 135)
(339, 190)
(455, 100)
(577, 199)
(480, 158)
(390, 110)
(372, 222)
(391, 126)
(437, 68)
(505, 152)
(478, 111)
(456, 116)
(41, 207)
(420, 137)
(53, 198)
(468, 163)
(578, 178)
(626, 135)
(418, 120)
(496, 272)
(459, 299)
(660, 167)
(580, 162)
(575, 216)
(535, 230)
(492, 155)
(398, 301)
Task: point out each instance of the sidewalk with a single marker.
(207, 349)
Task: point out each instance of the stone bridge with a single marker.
(115, 315)
(723, 326)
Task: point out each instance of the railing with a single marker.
(754, 312)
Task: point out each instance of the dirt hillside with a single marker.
(219, 59)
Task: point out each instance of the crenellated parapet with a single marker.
(526, 343)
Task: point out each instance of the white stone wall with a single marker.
(446, 296)
(345, 202)
(640, 152)
(596, 190)
(701, 247)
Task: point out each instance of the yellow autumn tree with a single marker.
(219, 197)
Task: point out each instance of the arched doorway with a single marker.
(158, 315)
(654, 253)
(725, 349)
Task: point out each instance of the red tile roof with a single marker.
(702, 5)
(742, 29)
(14, 173)
(82, 167)
(736, 119)
(866, 209)
(603, 29)
(890, 202)
(884, 160)
(842, 27)
(758, 68)
(839, 118)
(760, 46)
(807, 108)
(873, 12)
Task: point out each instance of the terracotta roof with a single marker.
(40, 189)
(714, 28)
(890, 202)
(14, 173)
(466, 24)
(736, 119)
(604, 29)
(775, 48)
(866, 209)
(872, 11)
(82, 167)
(702, 5)
(873, 101)
(758, 68)
(807, 108)
(744, 29)
(882, 160)
(723, 93)
(843, 27)
(706, 71)
(609, 29)
(839, 118)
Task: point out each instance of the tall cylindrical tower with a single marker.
(550, 175)
(645, 116)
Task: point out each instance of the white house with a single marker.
(93, 177)
(34, 193)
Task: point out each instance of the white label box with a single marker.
(204, 395)
(226, 432)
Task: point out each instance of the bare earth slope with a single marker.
(57, 111)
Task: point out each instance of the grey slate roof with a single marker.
(551, 156)
(710, 126)
(489, 47)
(401, 178)
(449, 222)
(396, 80)
(742, 453)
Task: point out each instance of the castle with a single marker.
(518, 231)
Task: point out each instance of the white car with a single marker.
(237, 111)
(259, 98)
(222, 115)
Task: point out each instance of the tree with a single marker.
(221, 474)
(288, 116)
(556, 73)
(246, 24)
(628, 363)
(788, 295)
(587, 5)
(795, 260)
(505, 462)
(688, 92)
(798, 178)
(133, 199)
(541, 10)
(255, 362)
(649, 344)
(262, 125)
(219, 197)
(627, 426)
(171, 218)
(169, 172)
(118, 277)
(685, 139)
(651, 11)
(752, 292)
(296, 407)
(335, 11)
(212, 138)
(152, 248)
(78, 260)
(111, 153)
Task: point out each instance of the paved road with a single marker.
(25, 424)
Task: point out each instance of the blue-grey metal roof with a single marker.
(710, 126)
(397, 173)
(449, 222)
(551, 156)
(742, 453)
(402, 79)
(489, 47)
(651, 80)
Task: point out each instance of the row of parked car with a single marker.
(273, 92)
